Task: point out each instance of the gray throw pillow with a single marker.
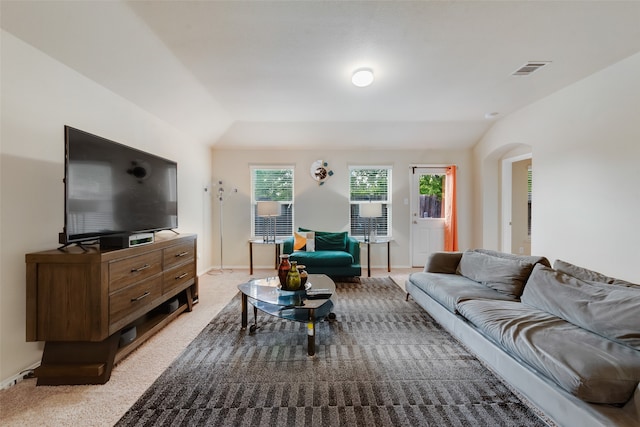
(443, 262)
(507, 276)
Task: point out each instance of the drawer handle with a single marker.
(144, 267)
(181, 276)
(146, 294)
(181, 254)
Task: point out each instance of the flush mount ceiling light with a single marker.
(362, 77)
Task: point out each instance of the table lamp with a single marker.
(369, 211)
(269, 210)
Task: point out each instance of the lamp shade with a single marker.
(370, 210)
(269, 208)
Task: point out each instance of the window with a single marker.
(370, 184)
(431, 192)
(272, 183)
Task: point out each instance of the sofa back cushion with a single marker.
(531, 259)
(331, 241)
(504, 274)
(328, 241)
(607, 310)
(589, 275)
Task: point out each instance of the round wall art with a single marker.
(319, 171)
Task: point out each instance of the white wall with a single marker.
(40, 96)
(326, 207)
(585, 141)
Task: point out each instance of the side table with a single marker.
(252, 242)
(377, 241)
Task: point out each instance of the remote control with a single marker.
(318, 295)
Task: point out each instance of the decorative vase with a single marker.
(293, 278)
(303, 275)
(283, 270)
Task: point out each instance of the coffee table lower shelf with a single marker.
(307, 306)
(296, 314)
(310, 316)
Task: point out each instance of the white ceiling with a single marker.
(242, 74)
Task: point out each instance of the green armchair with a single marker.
(335, 254)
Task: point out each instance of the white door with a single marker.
(427, 224)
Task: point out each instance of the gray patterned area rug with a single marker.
(382, 362)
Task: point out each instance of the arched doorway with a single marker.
(496, 197)
(516, 204)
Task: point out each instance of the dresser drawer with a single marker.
(127, 271)
(133, 298)
(177, 276)
(178, 254)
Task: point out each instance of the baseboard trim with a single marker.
(25, 373)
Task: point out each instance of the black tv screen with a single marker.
(114, 189)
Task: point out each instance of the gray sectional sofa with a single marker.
(567, 338)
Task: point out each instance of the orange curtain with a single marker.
(450, 211)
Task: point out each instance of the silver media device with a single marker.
(126, 240)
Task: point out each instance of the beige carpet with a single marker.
(103, 405)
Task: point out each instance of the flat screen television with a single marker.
(111, 189)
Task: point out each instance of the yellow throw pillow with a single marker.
(300, 242)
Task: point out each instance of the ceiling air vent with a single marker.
(530, 67)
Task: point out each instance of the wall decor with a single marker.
(319, 171)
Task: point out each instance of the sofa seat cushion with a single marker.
(449, 289)
(586, 365)
(608, 310)
(322, 258)
(505, 275)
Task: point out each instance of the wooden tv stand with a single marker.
(80, 301)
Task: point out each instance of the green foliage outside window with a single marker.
(369, 184)
(432, 185)
(273, 184)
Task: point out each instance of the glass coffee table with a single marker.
(308, 306)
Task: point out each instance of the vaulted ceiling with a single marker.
(243, 74)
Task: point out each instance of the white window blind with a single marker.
(272, 183)
(370, 184)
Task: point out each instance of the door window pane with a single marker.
(431, 196)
